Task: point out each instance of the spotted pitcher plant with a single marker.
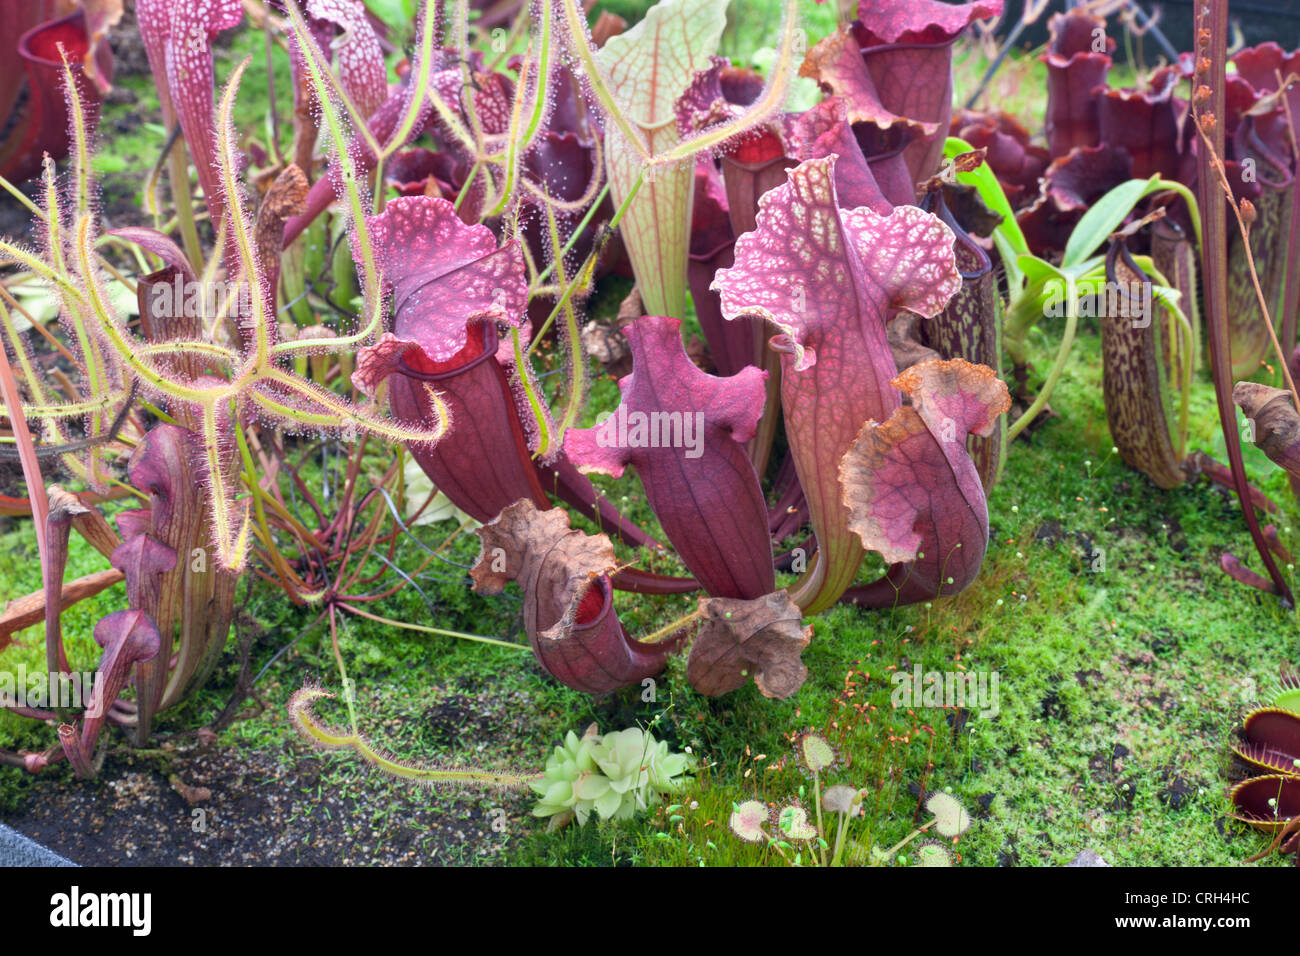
(460, 333)
(475, 285)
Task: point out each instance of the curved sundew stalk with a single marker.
(243, 374)
(73, 409)
(262, 529)
(511, 161)
(116, 336)
(767, 104)
(340, 413)
(22, 198)
(421, 90)
(595, 254)
(673, 627)
(442, 632)
(227, 168)
(469, 181)
(587, 200)
(579, 39)
(98, 373)
(546, 443)
(54, 225)
(209, 275)
(458, 26)
(54, 219)
(349, 695)
(346, 165)
(77, 117)
(197, 347)
(358, 121)
(229, 526)
(573, 337)
(20, 257)
(74, 311)
(375, 322)
(331, 739)
(517, 146)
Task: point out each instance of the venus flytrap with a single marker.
(1269, 741)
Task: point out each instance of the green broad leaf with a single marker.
(990, 190)
(1094, 265)
(1104, 217)
(1015, 280)
(1038, 270)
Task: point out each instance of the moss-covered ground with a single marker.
(1124, 658)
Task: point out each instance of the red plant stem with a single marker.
(26, 454)
(55, 657)
(73, 750)
(1215, 264)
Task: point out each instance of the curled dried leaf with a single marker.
(762, 638)
(1276, 424)
(569, 616)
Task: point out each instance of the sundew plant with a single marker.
(321, 354)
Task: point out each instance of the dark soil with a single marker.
(236, 806)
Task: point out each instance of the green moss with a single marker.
(1128, 676)
(1152, 657)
